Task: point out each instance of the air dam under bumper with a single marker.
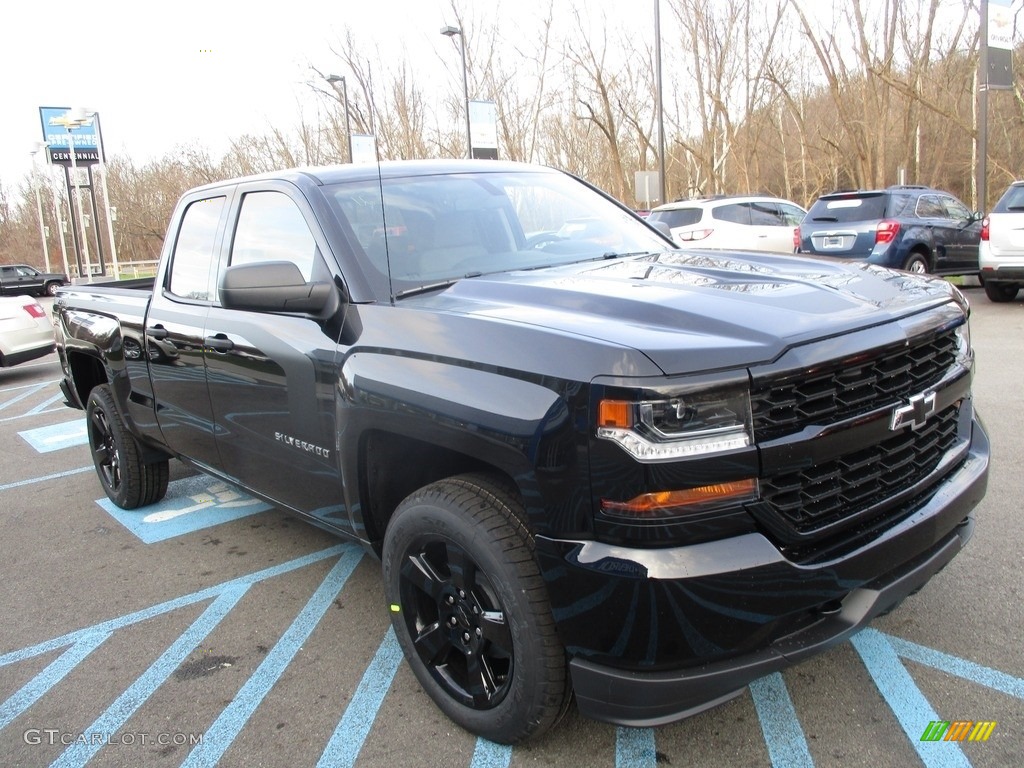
(643, 699)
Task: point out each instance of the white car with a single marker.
(746, 223)
(1001, 253)
(26, 332)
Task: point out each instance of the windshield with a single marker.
(431, 229)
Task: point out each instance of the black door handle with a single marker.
(219, 343)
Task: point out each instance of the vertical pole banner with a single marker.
(999, 61)
(483, 130)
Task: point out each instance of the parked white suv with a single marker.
(1001, 254)
(750, 223)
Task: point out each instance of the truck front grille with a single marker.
(842, 489)
(848, 387)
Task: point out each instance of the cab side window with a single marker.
(271, 228)
(193, 258)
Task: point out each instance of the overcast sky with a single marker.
(202, 71)
(163, 74)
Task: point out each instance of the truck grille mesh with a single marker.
(840, 489)
(848, 387)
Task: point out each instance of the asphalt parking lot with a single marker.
(212, 630)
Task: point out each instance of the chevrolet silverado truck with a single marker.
(590, 464)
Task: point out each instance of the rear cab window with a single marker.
(192, 261)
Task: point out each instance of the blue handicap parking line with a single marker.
(783, 734)
(221, 734)
(225, 597)
(912, 709)
(634, 748)
(347, 740)
(57, 436)
(138, 693)
(191, 504)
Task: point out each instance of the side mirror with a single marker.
(276, 286)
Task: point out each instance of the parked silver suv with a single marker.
(747, 222)
(1001, 255)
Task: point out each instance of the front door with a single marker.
(273, 377)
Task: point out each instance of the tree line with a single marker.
(765, 96)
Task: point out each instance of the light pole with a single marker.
(68, 121)
(332, 79)
(84, 115)
(39, 205)
(57, 214)
(451, 32)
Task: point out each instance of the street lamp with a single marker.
(82, 116)
(39, 204)
(451, 32)
(332, 79)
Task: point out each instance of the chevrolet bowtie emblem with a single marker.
(915, 413)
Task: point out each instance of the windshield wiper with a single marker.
(624, 255)
(434, 286)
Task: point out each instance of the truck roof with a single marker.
(332, 174)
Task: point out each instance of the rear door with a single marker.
(272, 376)
(175, 328)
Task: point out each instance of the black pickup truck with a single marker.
(589, 463)
(21, 278)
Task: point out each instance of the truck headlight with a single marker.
(690, 425)
(963, 341)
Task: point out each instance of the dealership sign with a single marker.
(60, 137)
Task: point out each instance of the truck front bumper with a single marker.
(735, 610)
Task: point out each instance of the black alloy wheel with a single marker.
(471, 611)
(459, 627)
(126, 479)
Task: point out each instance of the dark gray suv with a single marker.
(919, 229)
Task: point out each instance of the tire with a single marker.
(471, 610)
(127, 481)
(1001, 292)
(916, 263)
(51, 288)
